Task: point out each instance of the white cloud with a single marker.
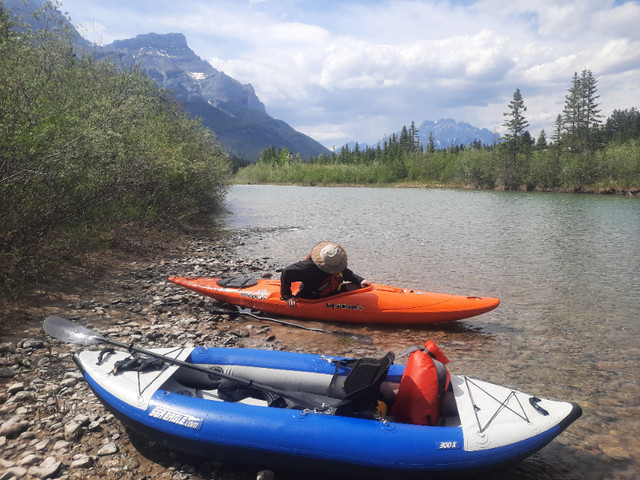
(356, 70)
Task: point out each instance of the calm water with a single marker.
(566, 268)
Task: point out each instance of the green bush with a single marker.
(86, 151)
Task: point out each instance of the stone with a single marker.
(7, 347)
(23, 396)
(30, 459)
(7, 372)
(14, 472)
(108, 449)
(32, 343)
(42, 445)
(15, 388)
(68, 382)
(46, 469)
(14, 426)
(82, 461)
(60, 445)
(72, 430)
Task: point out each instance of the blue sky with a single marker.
(343, 71)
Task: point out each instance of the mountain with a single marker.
(22, 12)
(447, 132)
(232, 110)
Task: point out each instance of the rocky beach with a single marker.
(52, 425)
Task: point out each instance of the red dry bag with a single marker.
(424, 382)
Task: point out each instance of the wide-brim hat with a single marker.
(329, 257)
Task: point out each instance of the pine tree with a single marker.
(623, 125)
(517, 125)
(591, 112)
(517, 144)
(572, 114)
(541, 144)
(581, 116)
(431, 145)
(558, 128)
(415, 138)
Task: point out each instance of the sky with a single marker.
(357, 70)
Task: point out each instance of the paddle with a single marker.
(365, 339)
(67, 331)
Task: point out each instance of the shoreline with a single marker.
(53, 426)
(569, 190)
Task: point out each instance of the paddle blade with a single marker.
(65, 330)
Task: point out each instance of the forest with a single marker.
(91, 156)
(583, 153)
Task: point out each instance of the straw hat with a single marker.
(329, 257)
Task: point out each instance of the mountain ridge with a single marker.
(231, 109)
(447, 132)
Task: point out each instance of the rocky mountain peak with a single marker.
(169, 41)
(168, 59)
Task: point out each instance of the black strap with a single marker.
(105, 351)
(137, 363)
(441, 372)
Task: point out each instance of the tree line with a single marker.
(583, 153)
(90, 153)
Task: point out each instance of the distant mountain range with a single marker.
(231, 109)
(446, 133)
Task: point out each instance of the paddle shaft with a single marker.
(64, 330)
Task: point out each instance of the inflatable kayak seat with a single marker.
(362, 384)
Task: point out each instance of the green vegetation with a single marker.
(584, 155)
(90, 153)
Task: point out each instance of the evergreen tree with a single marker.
(431, 146)
(591, 112)
(572, 114)
(516, 144)
(623, 125)
(541, 144)
(581, 116)
(517, 124)
(558, 128)
(415, 138)
(406, 140)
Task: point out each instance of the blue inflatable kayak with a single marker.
(479, 426)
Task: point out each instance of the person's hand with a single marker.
(365, 283)
(291, 302)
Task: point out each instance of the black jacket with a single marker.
(312, 279)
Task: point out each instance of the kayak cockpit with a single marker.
(190, 383)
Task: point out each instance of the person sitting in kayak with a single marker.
(322, 274)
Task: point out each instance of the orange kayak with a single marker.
(380, 304)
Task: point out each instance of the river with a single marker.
(565, 267)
